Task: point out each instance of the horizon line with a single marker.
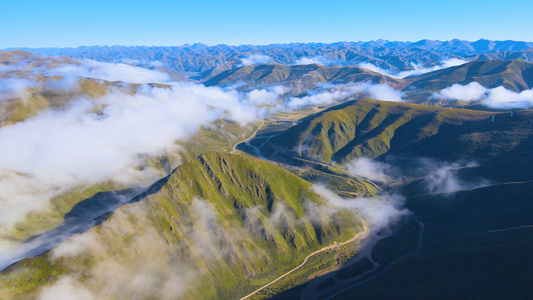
(259, 45)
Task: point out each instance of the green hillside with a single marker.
(373, 128)
(475, 241)
(237, 221)
(515, 75)
(300, 77)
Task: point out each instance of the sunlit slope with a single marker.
(298, 76)
(41, 92)
(373, 128)
(515, 75)
(237, 221)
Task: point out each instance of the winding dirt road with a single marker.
(360, 235)
(248, 138)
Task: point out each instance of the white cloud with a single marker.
(268, 95)
(329, 94)
(95, 140)
(376, 69)
(470, 92)
(417, 68)
(109, 72)
(76, 245)
(255, 59)
(142, 268)
(498, 97)
(370, 169)
(66, 289)
(442, 177)
(319, 60)
(384, 92)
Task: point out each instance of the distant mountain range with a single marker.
(390, 55)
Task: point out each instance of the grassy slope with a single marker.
(515, 75)
(41, 98)
(221, 136)
(299, 76)
(235, 185)
(260, 218)
(373, 128)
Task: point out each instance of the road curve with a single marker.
(359, 235)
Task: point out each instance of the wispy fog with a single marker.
(380, 212)
(15, 88)
(147, 265)
(318, 60)
(442, 177)
(437, 176)
(66, 288)
(370, 169)
(141, 268)
(417, 68)
(256, 59)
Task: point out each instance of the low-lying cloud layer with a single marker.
(318, 60)
(256, 59)
(109, 71)
(90, 139)
(499, 97)
(94, 140)
(417, 68)
(329, 93)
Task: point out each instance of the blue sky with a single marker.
(45, 23)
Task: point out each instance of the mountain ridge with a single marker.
(385, 54)
(232, 218)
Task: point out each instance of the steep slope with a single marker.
(475, 238)
(299, 76)
(373, 128)
(515, 75)
(231, 222)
